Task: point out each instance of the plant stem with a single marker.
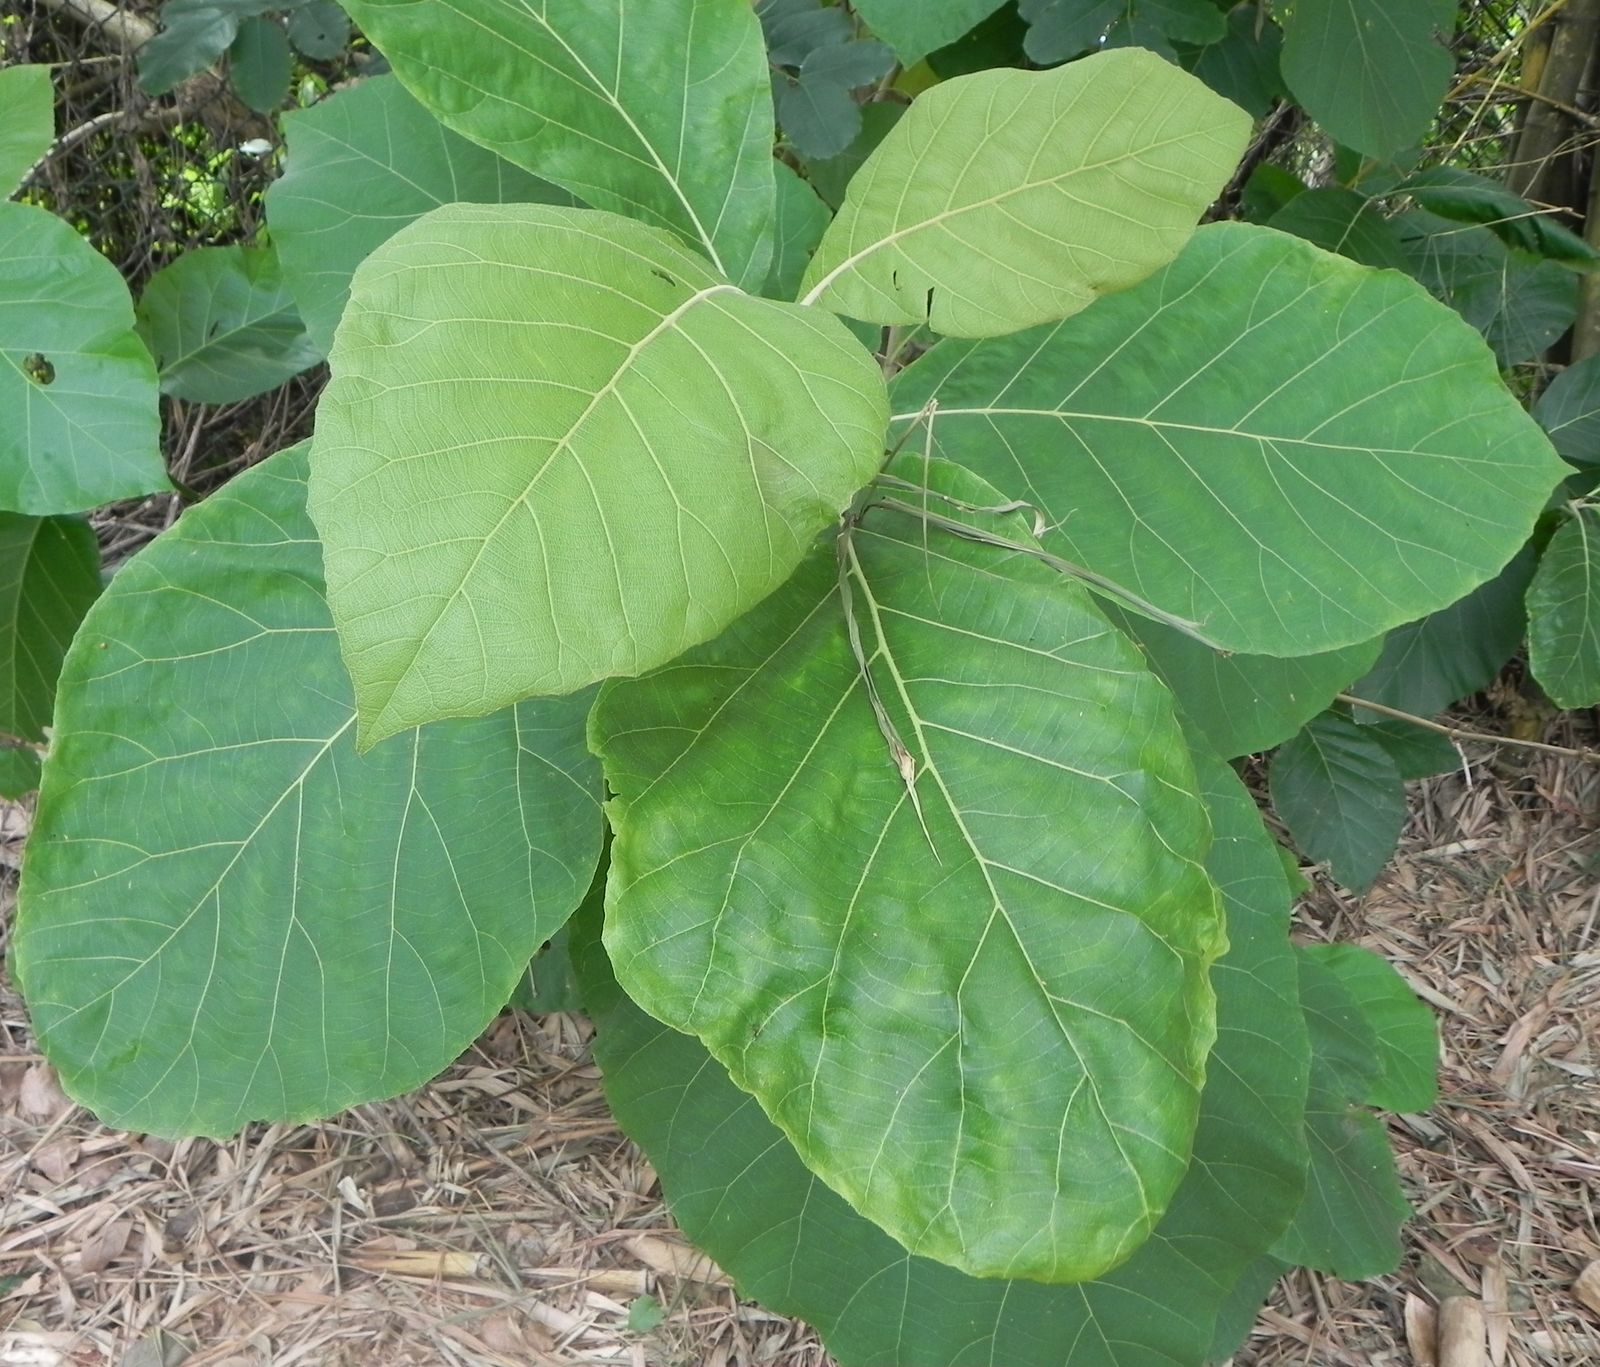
(1458, 733)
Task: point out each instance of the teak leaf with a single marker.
(1290, 451)
(49, 575)
(986, 1030)
(27, 122)
(77, 386)
(558, 447)
(228, 914)
(362, 164)
(1564, 612)
(222, 326)
(1406, 1056)
(660, 109)
(1009, 198)
(741, 1192)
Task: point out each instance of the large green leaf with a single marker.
(19, 771)
(802, 219)
(1428, 664)
(1371, 72)
(1242, 64)
(1564, 612)
(914, 28)
(1008, 198)
(1569, 410)
(49, 575)
(1348, 1222)
(1338, 790)
(740, 1191)
(558, 447)
(229, 915)
(194, 33)
(1521, 305)
(1452, 192)
(361, 166)
(27, 121)
(1289, 450)
(1239, 704)
(659, 109)
(1059, 29)
(77, 386)
(1404, 1037)
(985, 1030)
(222, 325)
(1341, 221)
(261, 64)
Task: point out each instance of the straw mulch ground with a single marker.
(496, 1217)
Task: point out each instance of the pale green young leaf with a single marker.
(1564, 612)
(222, 325)
(739, 1190)
(1338, 790)
(986, 1031)
(27, 122)
(77, 386)
(1285, 449)
(1371, 72)
(1008, 198)
(362, 164)
(658, 109)
(558, 447)
(1406, 1056)
(228, 914)
(49, 575)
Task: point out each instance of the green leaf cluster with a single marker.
(904, 575)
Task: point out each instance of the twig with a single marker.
(1459, 733)
(1497, 86)
(129, 32)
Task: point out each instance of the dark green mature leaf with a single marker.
(1405, 1038)
(1242, 64)
(77, 386)
(1521, 306)
(27, 121)
(194, 34)
(740, 1191)
(222, 325)
(592, 395)
(659, 111)
(1564, 612)
(914, 28)
(1059, 29)
(1428, 664)
(986, 1032)
(1348, 1223)
(1007, 198)
(794, 29)
(228, 915)
(1417, 752)
(19, 771)
(1371, 72)
(49, 575)
(1289, 450)
(319, 30)
(1569, 410)
(260, 64)
(1341, 221)
(361, 166)
(1339, 792)
(1238, 1314)
(830, 176)
(1241, 704)
(802, 219)
(1456, 193)
(995, 41)
(816, 108)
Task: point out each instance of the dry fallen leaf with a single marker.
(41, 1096)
